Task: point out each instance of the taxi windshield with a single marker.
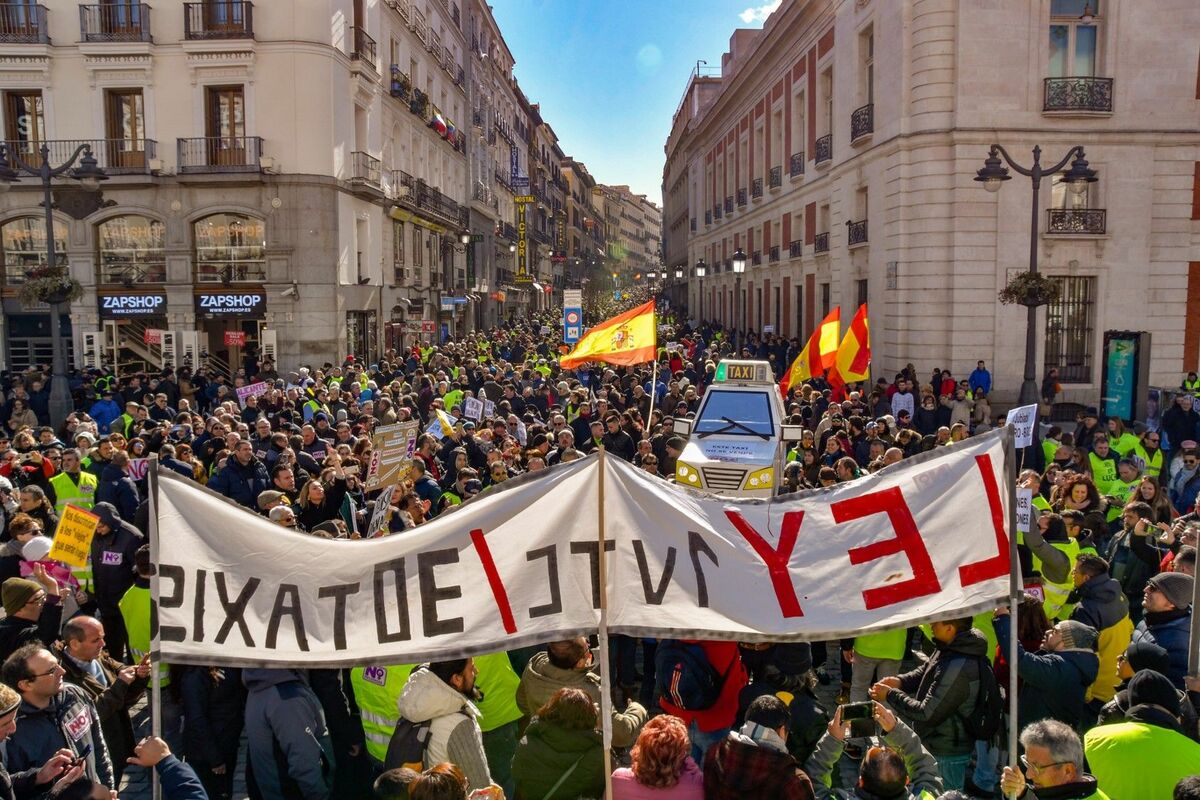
(736, 414)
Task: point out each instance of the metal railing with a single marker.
(795, 248)
(365, 168)
(232, 271)
(22, 24)
(824, 149)
(718, 212)
(862, 121)
(1082, 93)
(756, 258)
(114, 156)
(796, 164)
(821, 243)
(398, 83)
(729, 204)
(741, 197)
(132, 274)
(856, 232)
(115, 22)
(364, 46)
(1086, 221)
(220, 154)
(224, 19)
(773, 253)
(756, 188)
(775, 177)
(708, 217)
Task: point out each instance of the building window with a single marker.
(129, 250)
(418, 246)
(24, 242)
(860, 291)
(1070, 330)
(867, 73)
(24, 121)
(362, 335)
(229, 248)
(1062, 197)
(125, 127)
(825, 299)
(1073, 38)
(398, 251)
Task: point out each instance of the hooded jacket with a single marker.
(69, 721)
(454, 733)
(118, 488)
(112, 557)
(936, 697)
(749, 765)
(541, 679)
(290, 747)
(16, 632)
(1101, 604)
(549, 751)
(1054, 683)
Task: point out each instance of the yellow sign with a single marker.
(522, 199)
(73, 536)
(392, 449)
(522, 249)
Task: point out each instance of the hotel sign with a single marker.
(522, 275)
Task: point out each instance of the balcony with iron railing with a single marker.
(114, 156)
(862, 122)
(1076, 221)
(509, 232)
(756, 258)
(821, 243)
(225, 19)
(824, 149)
(741, 197)
(23, 24)
(220, 154)
(718, 212)
(364, 46)
(756, 188)
(128, 271)
(708, 217)
(365, 168)
(115, 22)
(775, 177)
(239, 264)
(856, 232)
(795, 248)
(773, 253)
(796, 164)
(1082, 94)
(729, 204)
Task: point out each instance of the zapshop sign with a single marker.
(231, 304)
(132, 305)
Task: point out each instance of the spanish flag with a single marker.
(629, 338)
(818, 355)
(854, 353)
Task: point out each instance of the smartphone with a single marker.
(82, 755)
(859, 719)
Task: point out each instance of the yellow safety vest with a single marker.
(1055, 604)
(81, 495)
(1149, 464)
(1104, 472)
(1124, 491)
(1191, 386)
(135, 610)
(377, 691)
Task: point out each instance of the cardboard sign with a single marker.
(73, 536)
(253, 390)
(392, 449)
(473, 408)
(379, 515)
(1023, 418)
(489, 408)
(1024, 509)
(235, 338)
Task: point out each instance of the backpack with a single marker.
(986, 718)
(407, 747)
(684, 676)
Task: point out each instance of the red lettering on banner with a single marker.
(493, 576)
(907, 541)
(1000, 563)
(776, 559)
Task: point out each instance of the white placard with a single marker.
(1023, 418)
(473, 408)
(1024, 509)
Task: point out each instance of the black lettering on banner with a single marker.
(178, 578)
(198, 609)
(291, 608)
(696, 546)
(654, 596)
(396, 567)
(432, 594)
(339, 593)
(550, 553)
(592, 550)
(235, 612)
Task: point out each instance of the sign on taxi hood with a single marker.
(740, 450)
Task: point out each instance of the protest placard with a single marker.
(252, 390)
(379, 514)
(1024, 509)
(473, 408)
(1023, 418)
(73, 536)
(391, 454)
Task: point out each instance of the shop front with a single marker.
(27, 330)
(231, 324)
(131, 338)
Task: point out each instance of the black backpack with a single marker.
(407, 747)
(684, 677)
(987, 717)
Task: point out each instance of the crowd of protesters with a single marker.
(1106, 706)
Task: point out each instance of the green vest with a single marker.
(1191, 386)
(452, 398)
(135, 610)
(498, 682)
(1104, 472)
(1124, 444)
(126, 423)
(1148, 464)
(81, 495)
(1049, 448)
(1041, 503)
(377, 691)
(1124, 491)
(1055, 604)
(882, 645)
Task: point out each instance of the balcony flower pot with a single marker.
(1030, 289)
(50, 285)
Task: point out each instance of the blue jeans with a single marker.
(954, 770)
(702, 741)
(987, 772)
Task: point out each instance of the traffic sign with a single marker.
(572, 324)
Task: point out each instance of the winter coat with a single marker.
(69, 721)
(726, 659)
(548, 751)
(241, 484)
(1119, 754)
(112, 702)
(104, 412)
(16, 632)
(1101, 604)
(1171, 631)
(117, 488)
(112, 563)
(740, 768)
(1053, 683)
(454, 733)
(923, 772)
(936, 697)
(179, 781)
(289, 745)
(689, 787)
(214, 714)
(1116, 709)
(541, 680)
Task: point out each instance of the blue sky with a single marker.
(610, 73)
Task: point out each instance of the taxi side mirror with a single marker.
(683, 426)
(791, 433)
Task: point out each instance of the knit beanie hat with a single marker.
(16, 593)
(1176, 587)
(1077, 635)
(1147, 655)
(1153, 688)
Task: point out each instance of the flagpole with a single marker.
(605, 667)
(155, 655)
(1014, 604)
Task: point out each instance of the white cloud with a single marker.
(760, 13)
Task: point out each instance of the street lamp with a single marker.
(89, 175)
(701, 268)
(739, 266)
(992, 175)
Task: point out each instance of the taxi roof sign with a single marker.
(744, 372)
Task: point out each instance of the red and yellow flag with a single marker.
(818, 354)
(628, 338)
(854, 353)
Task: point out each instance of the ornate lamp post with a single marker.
(739, 266)
(701, 268)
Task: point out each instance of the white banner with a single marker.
(1022, 418)
(924, 539)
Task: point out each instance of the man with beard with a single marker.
(441, 694)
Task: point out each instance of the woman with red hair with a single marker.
(662, 767)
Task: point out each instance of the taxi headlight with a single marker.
(686, 474)
(761, 478)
